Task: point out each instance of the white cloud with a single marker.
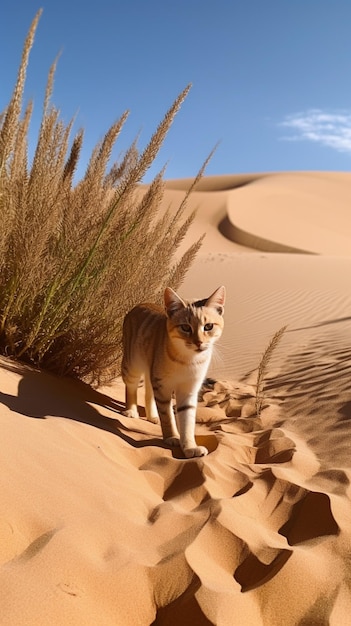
(329, 129)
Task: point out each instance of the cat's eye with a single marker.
(186, 328)
(208, 327)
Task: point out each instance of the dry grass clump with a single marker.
(75, 258)
(263, 367)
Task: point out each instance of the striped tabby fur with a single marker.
(171, 349)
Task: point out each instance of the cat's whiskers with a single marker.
(218, 359)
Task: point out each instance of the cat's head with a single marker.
(195, 324)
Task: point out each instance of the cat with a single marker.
(171, 349)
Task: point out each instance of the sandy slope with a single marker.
(101, 524)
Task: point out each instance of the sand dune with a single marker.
(102, 524)
(305, 212)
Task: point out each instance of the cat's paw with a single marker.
(172, 441)
(189, 453)
(153, 419)
(131, 413)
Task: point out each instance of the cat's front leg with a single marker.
(150, 404)
(168, 423)
(186, 419)
(131, 392)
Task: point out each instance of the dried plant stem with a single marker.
(263, 366)
(75, 257)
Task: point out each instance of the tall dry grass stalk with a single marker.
(263, 367)
(75, 257)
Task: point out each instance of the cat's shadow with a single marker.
(41, 395)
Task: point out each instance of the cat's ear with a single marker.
(217, 300)
(173, 302)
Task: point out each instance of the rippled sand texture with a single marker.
(101, 524)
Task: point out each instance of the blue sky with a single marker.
(271, 78)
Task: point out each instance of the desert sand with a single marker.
(102, 525)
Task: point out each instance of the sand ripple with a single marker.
(170, 540)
